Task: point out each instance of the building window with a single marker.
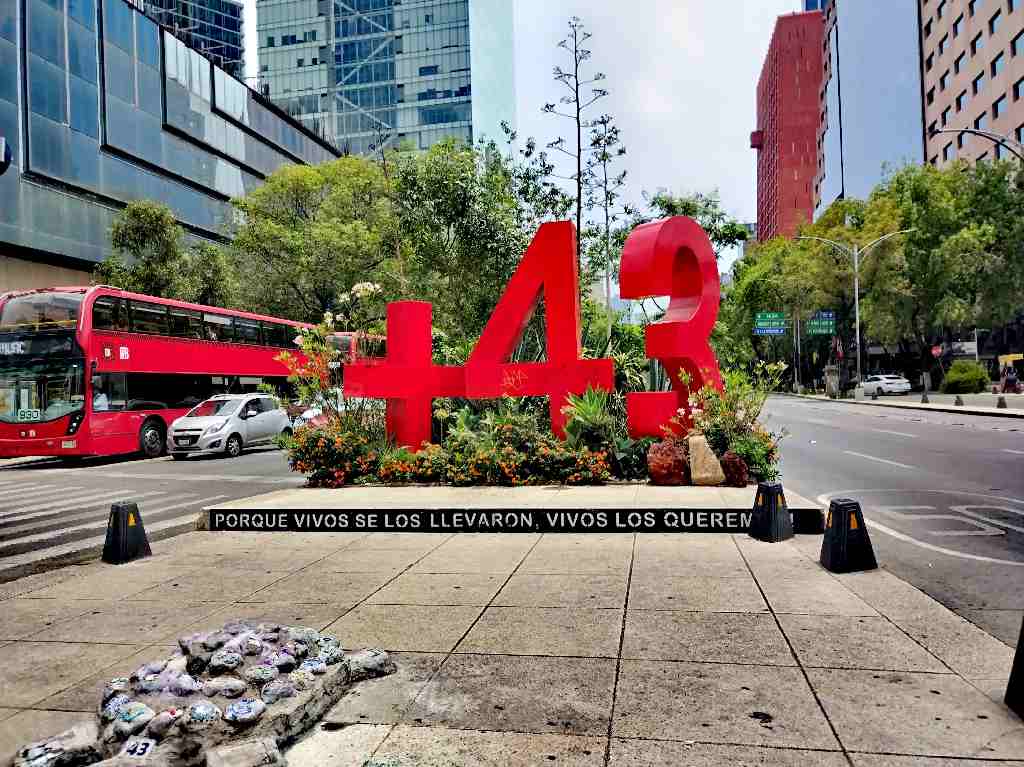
(958, 26)
(961, 140)
(940, 9)
(947, 152)
(999, 107)
(928, 28)
(994, 22)
(1017, 44)
(981, 121)
(931, 96)
(1011, 6)
(979, 84)
(929, 62)
(959, 63)
(1018, 89)
(431, 70)
(945, 116)
(270, 42)
(997, 64)
(961, 101)
(932, 128)
(1020, 134)
(944, 80)
(943, 43)
(300, 62)
(264, 68)
(999, 151)
(973, 6)
(977, 43)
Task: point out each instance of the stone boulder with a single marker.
(737, 474)
(704, 466)
(667, 464)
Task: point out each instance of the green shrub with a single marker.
(965, 377)
(759, 449)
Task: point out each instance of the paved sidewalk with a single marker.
(1015, 410)
(528, 649)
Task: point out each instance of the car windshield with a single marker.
(41, 389)
(213, 407)
(41, 311)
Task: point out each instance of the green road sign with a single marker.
(769, 316)
(821, 324)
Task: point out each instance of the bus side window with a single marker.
(148, 318)
(108, 313)
(247, 331)
(108, 392)
(217, 327)
(186, 323)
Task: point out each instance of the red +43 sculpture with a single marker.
(670, 257)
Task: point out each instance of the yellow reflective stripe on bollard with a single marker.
(853, 521)
(131, 520)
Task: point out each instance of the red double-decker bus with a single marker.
(102, 371)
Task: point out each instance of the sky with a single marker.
(682, 76)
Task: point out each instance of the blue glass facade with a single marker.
(100, 108)
(365, 70)
(213, 27)
(871, 114)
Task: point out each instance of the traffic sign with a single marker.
(770, 331)
(821, 324)
(770, 323)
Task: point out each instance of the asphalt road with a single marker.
(943, 495)
(51, 509)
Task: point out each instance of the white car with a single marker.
(307, 415)
(227, 423)
(886, 384)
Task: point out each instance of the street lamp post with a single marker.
(1012, 146)
(857, 252)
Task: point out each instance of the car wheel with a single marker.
(233, 446)
(151, 439)
(179, 456)
(287, 431)
(880, 392)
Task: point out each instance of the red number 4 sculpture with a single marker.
(671, 257)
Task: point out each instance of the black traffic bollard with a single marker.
(1001, 402)
(846, 546)
(959, 401)
(126, 535)
(924, 398)
(771, 520)
(1015, 687)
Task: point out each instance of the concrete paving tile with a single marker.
(439, 589)
(129, 622)
(993, 689)
(414, 542)
(1004, 625)
(286, 613)
(29, 726)
(7, 713)
(878, 760)
(85, 695)
(695, 561)
(902, 712)
(707, 637)
(209, 584)
(565, 590)
(654, 753)
(967, 649)
(579, 559)
(349, 747)
(788, 568)
(112, 581)
(32, 671)
(413, 628)
(578, 631)
(314, 584)
(370, 560)
(459, 556)
(825, 596)
(697, 592)
(442, 746)
(719, 703)
(383, 700)
(521, 694)
(39, 581)
(24, 617)
(892, 596)
(842, 641)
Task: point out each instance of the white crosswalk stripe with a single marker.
(56, 522)
(46, 509)
(28, 491)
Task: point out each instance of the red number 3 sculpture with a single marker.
(673, 257)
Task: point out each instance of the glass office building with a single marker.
(99, 115)
(871, 115)
(213, 27)
(371, 71)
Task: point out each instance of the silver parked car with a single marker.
(886, 384)
(227, 423)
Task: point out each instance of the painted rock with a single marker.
(277, 690)
(224, 660)
(200, 716)
(237, 627)
(298, 650)
(269, 628)
(332, 655)
(284, 661)
(161, 724)
(314, 666)
(303, 634)
(197, 663)
(244, 711)
(151, 684)
(251, 646)
(302, 680)
(229, 687)
(216, 640)
(114, 687)
(148, 669)
(184, 685)
(132, 718)
(260, 675)
(370, 663)
(177, 664)
(113, 707)
(326, 641)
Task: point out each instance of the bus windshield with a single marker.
(213, 407)
(41, 311)
(41, 389)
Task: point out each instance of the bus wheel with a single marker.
(179, 456)
(233, 447)
(151, 439)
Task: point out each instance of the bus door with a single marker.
(110, 419)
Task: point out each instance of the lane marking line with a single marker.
(880, 460)
(1015, 452)
(897, 433)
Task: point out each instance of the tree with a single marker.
(312, 232)
(578, 101)
(148, 234)
(723, 230)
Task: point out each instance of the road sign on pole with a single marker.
(821, 324)
(770, 324)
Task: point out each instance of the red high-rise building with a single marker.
(788, 115)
